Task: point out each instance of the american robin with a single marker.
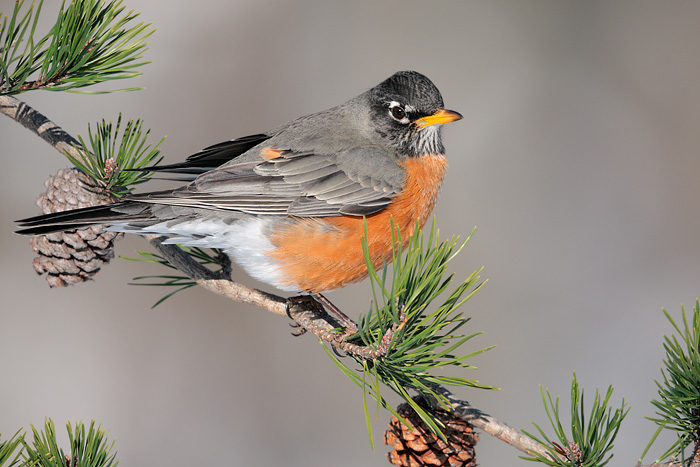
(289, 205)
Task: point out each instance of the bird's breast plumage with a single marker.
(318, 254)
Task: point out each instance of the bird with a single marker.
(291, 205)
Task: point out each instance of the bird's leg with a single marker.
(349, 324)
(225, 261)
(299, 329)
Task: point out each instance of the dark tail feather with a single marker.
(211, 157)
(79, 218)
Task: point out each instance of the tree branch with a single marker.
(217, 283)
(463, 410)
(305, 311)
(37, 123)
(663, 464)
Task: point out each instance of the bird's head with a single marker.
(407, 110)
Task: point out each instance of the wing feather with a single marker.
(357, 182)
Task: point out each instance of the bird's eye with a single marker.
(398, 112)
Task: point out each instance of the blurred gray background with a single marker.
(578, 159)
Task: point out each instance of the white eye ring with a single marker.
(398, 112)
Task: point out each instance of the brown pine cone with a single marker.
(68, 258)
(418, 446)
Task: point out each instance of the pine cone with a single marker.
(71, 257)
(418, 446)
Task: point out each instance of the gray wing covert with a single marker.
(355, 182)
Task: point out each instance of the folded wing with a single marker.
(356, 182)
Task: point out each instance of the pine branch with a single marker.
(678, 405)
(404, 342)
(88, 448)
(116, 166)
(91, 42)
(37, 123)
(9, 452)
(591, 437)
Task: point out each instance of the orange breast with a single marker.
(318, 254)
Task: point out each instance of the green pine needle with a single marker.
(8, 456)
(116, 166)
(90, 43)
(425, 338)
(87, 448)
(20, 54)
(678, 406)
(179, 282)
(592, 436)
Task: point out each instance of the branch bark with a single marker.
(663, 464)
(308, 316)
(464, 410)
(37, 123)
(216, 283)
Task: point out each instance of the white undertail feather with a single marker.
(245, 241)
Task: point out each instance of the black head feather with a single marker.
(397, 103)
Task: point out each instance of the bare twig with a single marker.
(217, 283)
(463, 410)
(39, 124)
(663, 464)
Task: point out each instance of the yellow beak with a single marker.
(439, 117)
